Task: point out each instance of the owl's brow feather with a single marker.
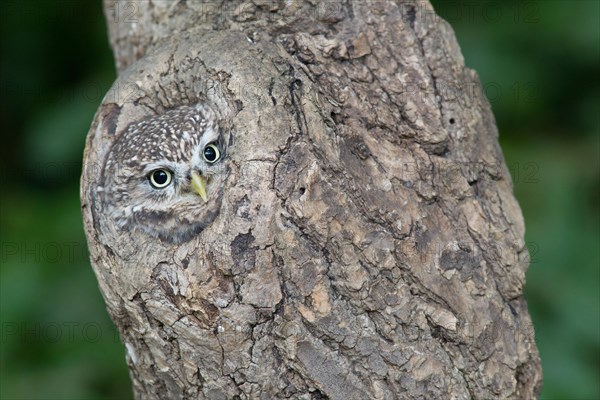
(167, 136)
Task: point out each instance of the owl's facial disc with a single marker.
(175, 180)
(165, 175)
(162, 177)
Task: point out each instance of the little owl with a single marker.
(164, 175)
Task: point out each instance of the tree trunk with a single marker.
(368, 243)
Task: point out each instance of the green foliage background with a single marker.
(538, 62)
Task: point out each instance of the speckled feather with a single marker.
(175, 141)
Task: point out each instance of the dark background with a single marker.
(538, 62)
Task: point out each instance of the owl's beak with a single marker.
(199, 185)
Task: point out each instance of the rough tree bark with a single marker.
(368, 244)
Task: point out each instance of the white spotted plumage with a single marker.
(175, 141)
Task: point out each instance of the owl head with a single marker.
(164, 175)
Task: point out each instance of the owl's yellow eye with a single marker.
(160, 178)
(211, 153)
